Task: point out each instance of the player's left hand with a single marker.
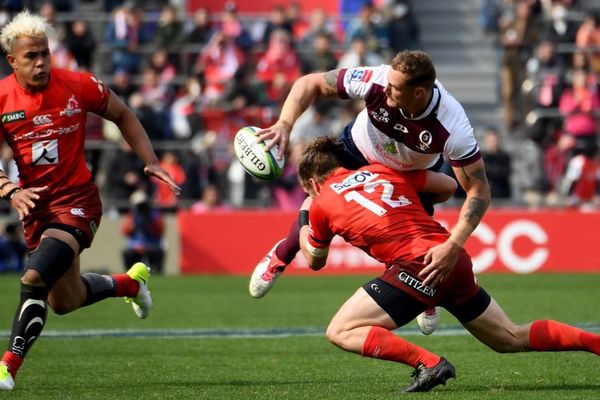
(157, 171)
(439, 262)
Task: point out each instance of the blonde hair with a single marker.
(23, 24)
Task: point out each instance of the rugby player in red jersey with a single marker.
(378, 210)
(408, 122)
(43, 112)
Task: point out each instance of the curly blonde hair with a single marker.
(23, 24)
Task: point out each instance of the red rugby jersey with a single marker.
(378, 210)
(46, 130)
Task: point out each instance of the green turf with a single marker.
(302, 367)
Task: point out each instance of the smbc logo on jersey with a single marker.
(13, 116)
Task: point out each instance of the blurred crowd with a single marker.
(195, 79)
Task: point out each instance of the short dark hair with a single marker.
(417, 66)
(321, 157)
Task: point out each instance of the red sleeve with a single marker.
(320, 235)
(416, 179)
(95, 94)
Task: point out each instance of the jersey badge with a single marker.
(390, 147)
(72, 107)
(401, 128)
(78, 211)
(356, 179)
(13, 116)
(381, 115)
(44, 119)
(361, 75)
(425, 137)
(44, 152)
(99, 83)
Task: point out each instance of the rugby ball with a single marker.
(257, 161)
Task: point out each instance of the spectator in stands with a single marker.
(277, 20)
(369, 25)
(580, 105)
(320, 57)
(497, 165)
(13, 250)
(295, 18)
(170, 33)
(48, 12)
(162, 65)
(210, 201)
(125, 33)
(555, 160)
(588, 38)
(81, 44)
(402, 27)
(201, 28)
(581, 181)
(122, 85)
(244, 92)
(279, 67)
(233, 28)
(185, 117)
(518, 33)
(319, 23)
(359, 54)
(217, 63)
(558, 27)
(286, 192)
(542, 89)
(144, 227)
(159, 96)
(123, 175)
(316, 121)
(163, 196)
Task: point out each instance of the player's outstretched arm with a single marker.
(439, 260)
(303, 93)
(135, 134)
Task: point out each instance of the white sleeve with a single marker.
(355, 83)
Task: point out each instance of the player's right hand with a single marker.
(24, 200)
(279, 134)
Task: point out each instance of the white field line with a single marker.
(236, 332)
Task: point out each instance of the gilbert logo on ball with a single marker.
(256, 159)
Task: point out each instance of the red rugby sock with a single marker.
(548, 335)
(126, 285)
(383, 344)
(13, 362)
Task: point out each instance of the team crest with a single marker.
(426, 138)
(72, 107)
(390, 147)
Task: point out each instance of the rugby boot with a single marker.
(425, 379)
(6, 380)
(142, 302)
(266, 273)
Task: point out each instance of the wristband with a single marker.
(302, 218)
(5, 183)
(8, 196)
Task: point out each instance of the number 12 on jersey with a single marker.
(386, 197)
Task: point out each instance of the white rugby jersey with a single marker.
(384, 135)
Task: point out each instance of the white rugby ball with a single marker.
(256, 160)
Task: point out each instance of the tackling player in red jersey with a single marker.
(43, 112)
(377, 209)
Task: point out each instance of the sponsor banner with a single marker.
(507, 241)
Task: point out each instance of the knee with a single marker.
(62, 306)
(509, 340)
(336, 335)
(32, 277)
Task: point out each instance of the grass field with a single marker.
(207, 339)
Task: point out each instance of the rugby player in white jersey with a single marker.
(409, 123)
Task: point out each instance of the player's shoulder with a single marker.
(450, 112)
(368, 74)
(67, 75)
(7, 84)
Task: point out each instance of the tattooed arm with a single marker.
(473, 180)
(303, 93)
(440, 260)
